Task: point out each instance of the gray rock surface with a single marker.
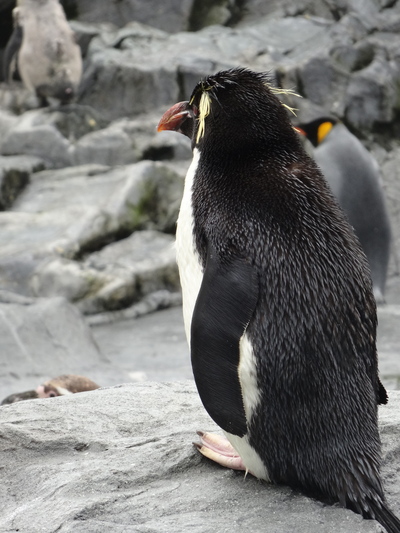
(121, 459)
(67, 213)
(15, 173)
(170, 15)
(42, 338)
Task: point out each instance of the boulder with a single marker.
(42, 140)
(174, 63)
(372, 95)
(170, 15)
(67, 213)
(15, 173)
(112, 278)
(43, 338)
(109, 146)
(152, 347)
(122, 459)
(49, 133)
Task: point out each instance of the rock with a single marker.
(7, 120)
(330, 89)
(85, 32)
(126, 141)
(67, 213)
(109, 146)
(153, 346)
(122, 458)
(113, 278)
(372, 95)
(167, 145)
(51, 133)
(170, 15)
(120, 85)
(16, 98)
(15, 173)
(34, 137)
(78, 134)
(42, 338)
(391, 184)
(143, 263)
(174, 63)
(276, 9)
(154, 301)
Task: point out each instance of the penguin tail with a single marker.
(385, 517)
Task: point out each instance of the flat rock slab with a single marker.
(121, 460)
(153, 347)
(45, 338)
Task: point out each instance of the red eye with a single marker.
(195, 110)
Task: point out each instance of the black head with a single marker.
(232, 107)
(317, 130)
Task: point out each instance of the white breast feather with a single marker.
(251, 398)
(190, 269)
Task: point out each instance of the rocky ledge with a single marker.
(122, 459)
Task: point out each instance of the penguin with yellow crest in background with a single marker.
(277, 301)
(354, 177)
(43, 49)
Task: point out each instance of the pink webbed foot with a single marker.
(220, 450)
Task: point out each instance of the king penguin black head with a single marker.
(236, 103)
(317, 130)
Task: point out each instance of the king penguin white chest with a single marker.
(191, 277)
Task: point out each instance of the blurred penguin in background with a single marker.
(43, 50)
(59, 386)
(354, 178)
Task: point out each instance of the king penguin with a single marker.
(354, 177)
(43, 48)
(277, 299)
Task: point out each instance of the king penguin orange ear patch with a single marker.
(323, 130)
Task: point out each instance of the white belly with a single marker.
(190, 269)
(191, 276)
(251, 398)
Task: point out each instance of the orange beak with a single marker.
(174, 117)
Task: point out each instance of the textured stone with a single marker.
(122, 459)
(372, 95)
(69, 212)
(43, 338)
(113, 278)
(15, 173)
(169, 15)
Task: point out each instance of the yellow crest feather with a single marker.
(204, 111)
(286, 92)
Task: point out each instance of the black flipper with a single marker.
(225, 304)
(11, 53)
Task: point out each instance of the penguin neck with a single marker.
(240, 168)
(247, 148)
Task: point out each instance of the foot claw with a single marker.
(220, 450)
